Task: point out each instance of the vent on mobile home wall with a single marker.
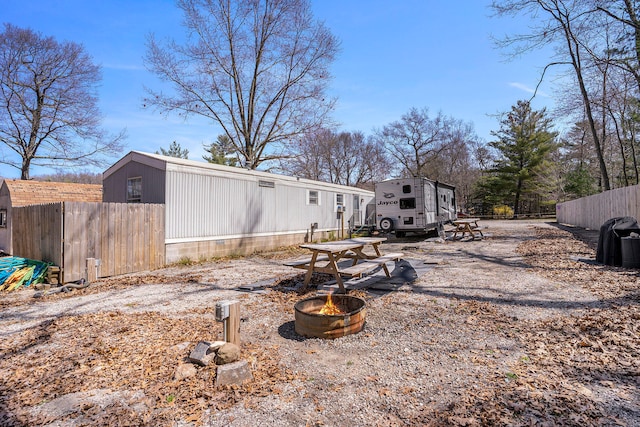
(268, 184)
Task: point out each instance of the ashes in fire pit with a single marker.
(345, 315)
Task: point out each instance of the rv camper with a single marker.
(416, 205)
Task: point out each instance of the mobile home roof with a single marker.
(168, 163)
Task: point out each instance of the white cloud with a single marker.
(528, 89)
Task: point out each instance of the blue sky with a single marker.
(394, 56)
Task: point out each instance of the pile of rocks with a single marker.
(229, 370)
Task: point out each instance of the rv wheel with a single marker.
(386, 224)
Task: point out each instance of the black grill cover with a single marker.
(609, 250)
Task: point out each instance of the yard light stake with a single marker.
(228, 312)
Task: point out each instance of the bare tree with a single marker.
(440, 148)
(77, 177)
(414, 139)
(346, 158)
(579, 159)
(307, 156)
(567, 24)
(628, 51)
(376, 163)
(49, 114)
(621, 109)
(354, 160)
(461, 162)
(258, 69)
(425, 146)
(609, 70)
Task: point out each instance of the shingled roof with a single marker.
(25, 193)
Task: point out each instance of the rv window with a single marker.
(444, 198)
(134, 190)
(3, 218)
(408, 203)
(406, 189)
(313, 198)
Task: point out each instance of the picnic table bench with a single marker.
(325, 256)
(467, 225)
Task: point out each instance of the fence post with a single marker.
(92, 270)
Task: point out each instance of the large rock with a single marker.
(201, 355)
(228, 353)
(184, 370)
(233, 373)
(73, 406)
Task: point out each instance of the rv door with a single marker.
(410, 204)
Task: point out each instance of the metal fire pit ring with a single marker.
(310, 323)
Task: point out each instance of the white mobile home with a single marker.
(413, 205)
(215, 210)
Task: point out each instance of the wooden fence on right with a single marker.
(592, 211)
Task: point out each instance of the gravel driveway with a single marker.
(459, 345)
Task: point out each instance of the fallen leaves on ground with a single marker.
(569, 365)
(116, 351)
(573, 363)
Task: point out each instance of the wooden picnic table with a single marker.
(467, 225)
(325, 257)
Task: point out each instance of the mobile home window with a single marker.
(3, 218)
(313, 198)
(339, 201)
(134, 190)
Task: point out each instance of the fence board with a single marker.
(125, 249)
(37, 232)
(592, 211)
(106, 260)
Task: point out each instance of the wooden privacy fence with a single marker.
(37, 232)
(117, 238)
(592, 211)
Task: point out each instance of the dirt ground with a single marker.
(519, 328)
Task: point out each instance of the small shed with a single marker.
(17, 193)
(215, 210)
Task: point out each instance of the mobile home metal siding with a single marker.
(215, 206)
(213, 210)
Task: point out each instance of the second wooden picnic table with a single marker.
(353, 249)
(467, 225)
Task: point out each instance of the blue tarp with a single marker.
(16, 272)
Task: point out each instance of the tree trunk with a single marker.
(620, 137)
(632, 138)
(24, 172)
(574, 53)
(516, 202)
